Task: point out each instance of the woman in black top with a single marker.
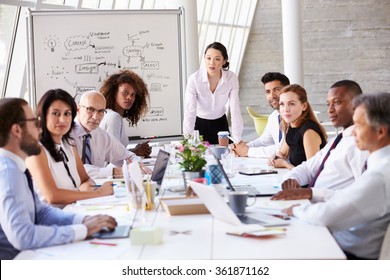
(304, 134)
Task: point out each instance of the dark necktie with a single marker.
(30, 186)
(65, 161)
(335, 142)
(364, 167)
(280, 130)
(86, 153)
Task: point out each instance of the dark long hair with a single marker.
(140, 105)
(218, 46)
(307, 114)
(43, 106)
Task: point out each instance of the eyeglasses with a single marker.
(35, 120)
(91, 110)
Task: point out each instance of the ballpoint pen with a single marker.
(283, 217)
(99, 185)
(231, 138)
(102, 243)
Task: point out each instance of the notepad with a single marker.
(255, 230)
(103, 200)
(183, 206)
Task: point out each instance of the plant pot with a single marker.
(188, 176)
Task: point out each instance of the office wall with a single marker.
(341, 40)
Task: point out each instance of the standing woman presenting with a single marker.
(208, 91)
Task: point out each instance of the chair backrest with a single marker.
(259, 120)
(385, 249)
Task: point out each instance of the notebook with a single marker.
(221, 211)
(253, 190)
(118, 232)
(160, 166)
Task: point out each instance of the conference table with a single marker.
(195, 237)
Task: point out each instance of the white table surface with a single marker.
(198, 236)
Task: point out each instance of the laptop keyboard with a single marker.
(247, 220)
(252, 191)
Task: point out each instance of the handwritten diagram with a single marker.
(78, 51)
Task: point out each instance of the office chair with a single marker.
(385, 249)
(259, 120)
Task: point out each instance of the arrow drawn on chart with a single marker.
(70, 83)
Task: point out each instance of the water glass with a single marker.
(228, 163)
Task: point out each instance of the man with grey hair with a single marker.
(359, 215)
(95, 146)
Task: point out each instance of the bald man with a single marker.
(104, 148)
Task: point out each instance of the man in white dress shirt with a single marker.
(358, 216)
(105, 148)
(270, 140)
(344, 163)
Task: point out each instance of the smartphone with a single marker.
(258, 171)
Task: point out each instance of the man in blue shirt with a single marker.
(25, 221)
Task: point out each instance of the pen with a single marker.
(283, 217)
(275, 228)
(231, 138)
(99, 185)
(102, 243)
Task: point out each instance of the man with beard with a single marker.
(25, 221)
(270, 140)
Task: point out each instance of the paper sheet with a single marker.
(103, 200)
(184, 201)
(278, 204)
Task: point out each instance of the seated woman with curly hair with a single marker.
(126, 96)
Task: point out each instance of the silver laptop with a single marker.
(253, 190)
(221, 211)
(160, 166)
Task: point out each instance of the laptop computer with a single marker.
(160, 166)
(221, 211)
(119, 232)
(253, 190)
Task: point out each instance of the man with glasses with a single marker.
(270, 140)
(25, 221)
(95, 146)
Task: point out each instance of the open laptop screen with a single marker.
(264, 190)
(160, 166)
(223, 172)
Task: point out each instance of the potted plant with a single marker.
(191, 151)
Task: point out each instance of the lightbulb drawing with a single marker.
(51, 44)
